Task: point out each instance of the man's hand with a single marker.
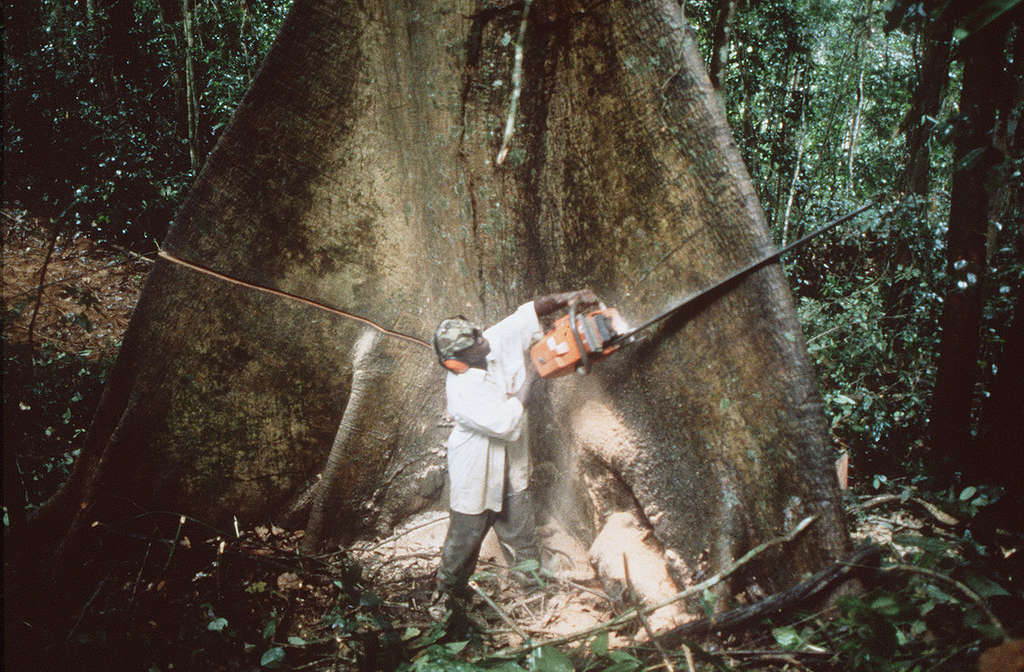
(585, 296)
(546, 305)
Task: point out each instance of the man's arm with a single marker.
(552, 302)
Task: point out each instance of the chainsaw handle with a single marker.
(584, 357)
(578, 298)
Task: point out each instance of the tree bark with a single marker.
(359, 171)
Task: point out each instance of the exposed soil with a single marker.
(88, 290)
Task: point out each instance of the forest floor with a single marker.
(88, 290)
(245, 599)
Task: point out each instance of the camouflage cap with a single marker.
(453, 335)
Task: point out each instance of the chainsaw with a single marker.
(580, 338)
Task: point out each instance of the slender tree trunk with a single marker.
(932, 77)
(951, 416)
(855, 129)
(191, 96)
(725, 12)
(794, 183)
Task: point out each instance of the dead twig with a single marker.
(88, 603)
(635, 599)
(501, 613)
(936, 513)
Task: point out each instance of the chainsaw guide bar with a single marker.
(577, 340)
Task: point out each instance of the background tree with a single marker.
(95, 115)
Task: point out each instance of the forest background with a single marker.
(911, 314)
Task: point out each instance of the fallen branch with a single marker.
(774, 604)
(403, 533)
(631, 614)
(501, 613)
(936, 513)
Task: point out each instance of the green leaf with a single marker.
(624, 666)
(454, 648)
(623, 657)
(296, 641)
(707, 602)
(272, 658)
(968, 493)
(217, 624)
(270, 629)
(531, 565)
(984, 586)
(549, 659)
(599, 646)
(787, 637)
(369, 599)
(886, 605)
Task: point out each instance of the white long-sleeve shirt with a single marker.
(490, 419)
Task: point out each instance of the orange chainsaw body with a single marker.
(576, 340)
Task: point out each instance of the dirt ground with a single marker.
(88, 290)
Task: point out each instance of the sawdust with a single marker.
(601, 431)
(569, 597)
(580, 587)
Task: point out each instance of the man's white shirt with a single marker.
(490, 419)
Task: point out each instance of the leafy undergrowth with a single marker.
(66, 303)
(947, 589)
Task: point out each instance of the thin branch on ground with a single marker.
(643, 619)
(630, 614)
(973, 596)
(936, 513)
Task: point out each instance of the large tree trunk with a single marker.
(360, 172)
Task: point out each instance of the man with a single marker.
(489, 379)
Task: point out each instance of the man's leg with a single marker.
(460, 551)
(516, 527)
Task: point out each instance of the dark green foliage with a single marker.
(94, 111)
(819, 96)
(49, 397)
